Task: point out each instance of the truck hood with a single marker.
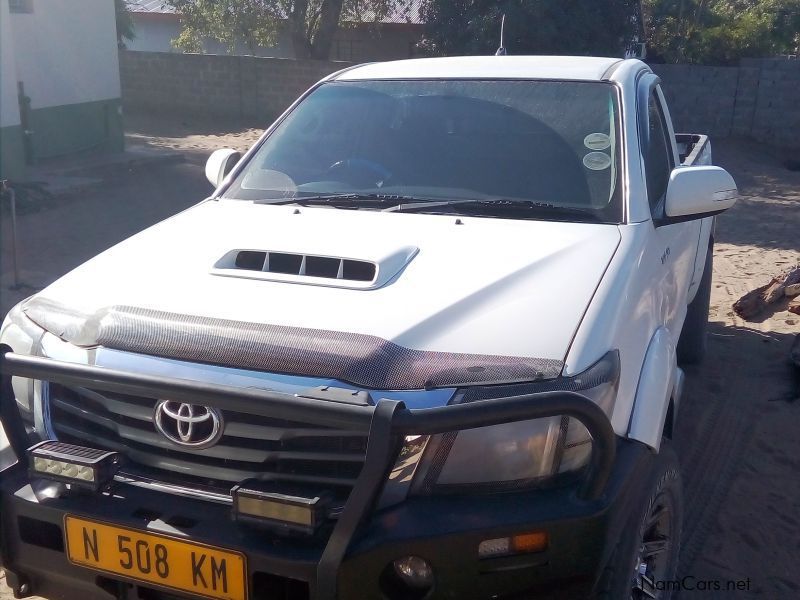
(459, 286)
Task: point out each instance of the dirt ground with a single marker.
(197, 137)
(738, 422)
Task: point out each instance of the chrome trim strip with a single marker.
(169, 488)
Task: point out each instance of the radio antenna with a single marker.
(501, 51)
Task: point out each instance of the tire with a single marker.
(655, 526)
(692, 342)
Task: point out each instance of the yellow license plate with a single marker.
(157, 559)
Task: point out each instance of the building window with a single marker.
(20, 6)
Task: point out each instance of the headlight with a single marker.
(520, 453)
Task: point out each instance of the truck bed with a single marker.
(693, 149)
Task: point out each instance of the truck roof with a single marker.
(486, 67)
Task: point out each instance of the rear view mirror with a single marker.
(220, 163)
(697, 192)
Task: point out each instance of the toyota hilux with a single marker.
(422, 341)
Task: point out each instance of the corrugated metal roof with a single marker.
(149, 6)
(402, 12)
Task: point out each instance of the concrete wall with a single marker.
(776, 99)
(233, 86)
(758, 99)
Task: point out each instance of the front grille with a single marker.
(251, 446)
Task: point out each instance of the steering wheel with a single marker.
(359, 172)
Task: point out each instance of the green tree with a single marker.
(254, 22)
(577, 27)
(311, 24)
(124, 23)
(720, 31)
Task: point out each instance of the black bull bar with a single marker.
(386, 423)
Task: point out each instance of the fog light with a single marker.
(79, 466)
(414, 571)
(535, 541)
(278, 510)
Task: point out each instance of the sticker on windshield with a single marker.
(597, 141)
(597, 161)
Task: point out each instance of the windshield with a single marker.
(553, 143)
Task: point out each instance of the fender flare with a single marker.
(655, 390)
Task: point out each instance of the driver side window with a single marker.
(657, 154)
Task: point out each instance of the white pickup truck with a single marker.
(423, 341)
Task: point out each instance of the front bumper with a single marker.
(583, 522)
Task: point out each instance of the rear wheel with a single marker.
(646, 559)
(692, 342)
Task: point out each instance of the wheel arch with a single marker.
(655, 402)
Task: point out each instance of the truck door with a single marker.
(675, 245)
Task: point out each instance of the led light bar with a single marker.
(79, 466)
(279, 511)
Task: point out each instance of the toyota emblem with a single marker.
(188, 425)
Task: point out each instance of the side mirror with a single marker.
(697, 192)
(220, 163)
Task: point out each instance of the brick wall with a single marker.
(700, 99)
(215, 85)
(758, 99)
(776, 114)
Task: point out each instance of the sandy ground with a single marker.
(196, 137)
(737, 426)
(739, 421)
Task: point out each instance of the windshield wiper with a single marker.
(402, 203)
(348, 199)
(504, 204)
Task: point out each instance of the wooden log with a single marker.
(757, 301)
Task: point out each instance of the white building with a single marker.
(12, 158)
(59, 83)
(393, 37)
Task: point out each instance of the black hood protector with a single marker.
(361, 360)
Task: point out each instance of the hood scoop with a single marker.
(312, 269)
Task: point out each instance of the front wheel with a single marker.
(646, 559)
